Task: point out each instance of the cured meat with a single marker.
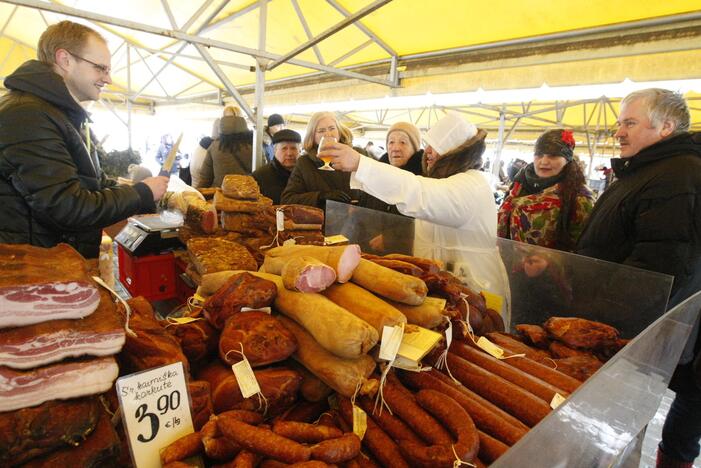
(68, 379)
(32, 432)
(578, 367)
(209, 255)
(302, 237)
(582, 333)
(224, 203)
(263, 339)
(152, 346)
(244, 222)
(535, 335)
(241, 187)
(99, 334)
(240, 290)
(201, 216)
(197, 339)
(201, 407)
(343, 259)
(279, 387)
(301, 215)
(307, 274)
(40, 284)
(100, 449)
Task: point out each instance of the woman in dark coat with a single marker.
(231, 153)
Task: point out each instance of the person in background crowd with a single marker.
(198, 156)
(514, 167)
(163, 150)
(404, 151)
(650, 217)
(307, 184)
(231, 111)
(231, 153)
(453, 203)
(549, 201)
(52, 189)
(275, 124)
(272, 178)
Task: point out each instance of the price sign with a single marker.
(155, 408)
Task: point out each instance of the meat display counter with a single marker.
(599, 420)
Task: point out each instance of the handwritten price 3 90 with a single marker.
(165, 403)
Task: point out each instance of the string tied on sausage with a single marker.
(262, 401)
(279, 226)
(380, 397)
(442, 361)
(458, 463)
(127, 309)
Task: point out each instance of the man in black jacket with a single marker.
(52, 189)
(650, 218)
(272, 178)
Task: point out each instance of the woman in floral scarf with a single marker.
(549, 201)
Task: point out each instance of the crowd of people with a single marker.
(52, 189)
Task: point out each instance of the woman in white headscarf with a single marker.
(453, 203)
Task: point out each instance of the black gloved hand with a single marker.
(335, 195)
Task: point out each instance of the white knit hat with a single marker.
(449, 133)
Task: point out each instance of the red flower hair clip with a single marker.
(568, 138)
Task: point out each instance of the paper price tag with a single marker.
(493, 301)
(417, 342)
(490, 347)
(391, 340)
(360, 422)
(557, 400)
(337, 239)
(267, 310)
(409, 365)
(438, 302)
(183, 320)
(280, 220)
(246, 378)
(155, 407)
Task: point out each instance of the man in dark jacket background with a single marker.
(52, 189)
(650, 218)
(272, 178)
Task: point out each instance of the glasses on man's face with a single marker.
(104, 69)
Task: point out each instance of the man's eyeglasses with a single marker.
(105, 70)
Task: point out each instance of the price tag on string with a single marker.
(280, 220)
(493, 301)
(246, 378)
(391, 340)
(337, 239)
(490, 347)
(182, 320)
(155, 408)
(360, 422)
(557, 400)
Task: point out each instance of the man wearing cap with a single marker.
(52, 189)
(650, 217)
(456, 216)
(272, 178)
(275, 124)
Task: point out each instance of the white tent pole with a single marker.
(363, 28)
(329, 32)
(307, 31)
(260, 86)
(193, 39)
(129, 94)
(351, 53)
(500, 143)
(225, 80)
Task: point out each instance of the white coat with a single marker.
(456, 220)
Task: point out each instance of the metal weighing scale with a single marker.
(148, 234)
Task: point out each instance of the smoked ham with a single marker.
(39, 284)
(307, 274)
(235, 291)
(261, 337)
(389, 283)
(343, 259)
(99, 334)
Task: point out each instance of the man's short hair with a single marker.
(64, 35)
(661, 105)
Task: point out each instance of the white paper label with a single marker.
(490, 347)
(155, 407)
(391, 340)
(409, 365)
(280, 220)
(360, 422)
(557, 400)
(267, 310)
(246, 378)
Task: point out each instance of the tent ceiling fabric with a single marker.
(441, 46)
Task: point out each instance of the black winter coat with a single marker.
(650, 217)
(52, 189)
(272, 179)
(307, 183)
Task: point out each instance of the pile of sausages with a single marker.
(238, 438)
